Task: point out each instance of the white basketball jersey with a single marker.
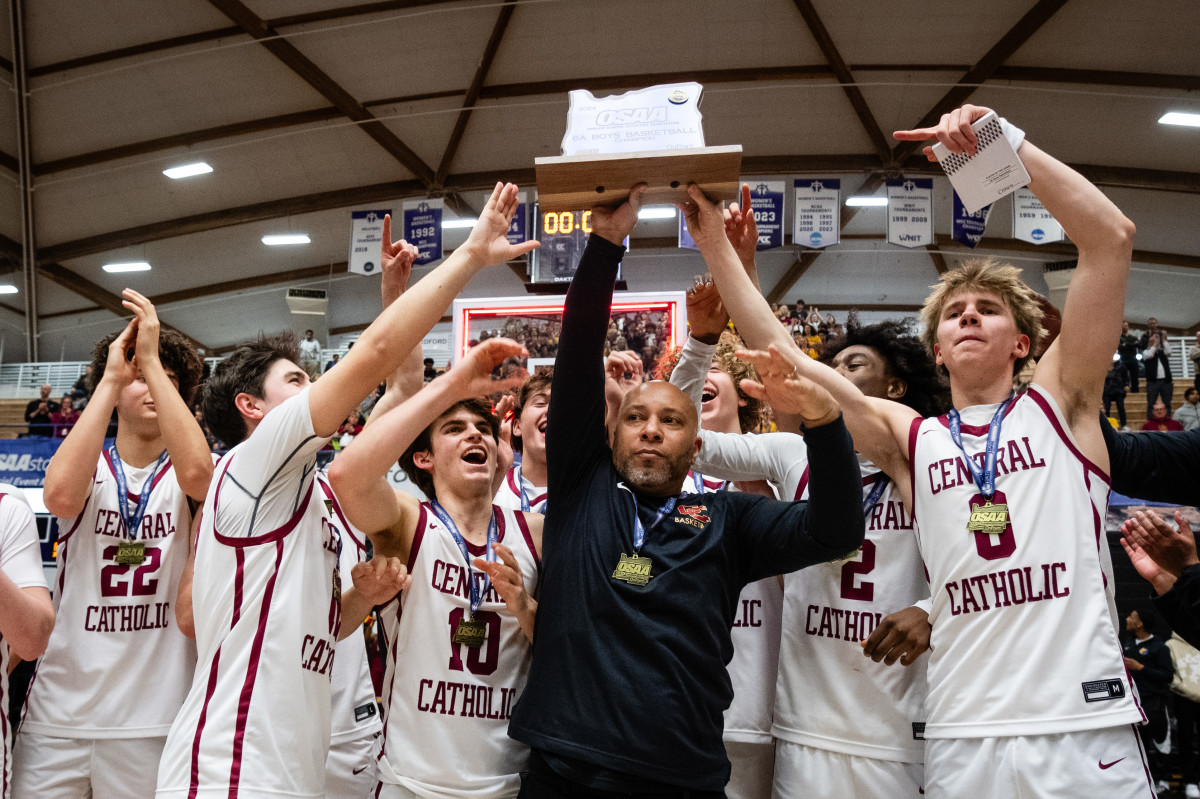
(21, 562)
(1023, 641)
(830, 696)
(509, 495)
(755, 636)
(117, 665)
(256, 722)
(446, 706)
(354, 713)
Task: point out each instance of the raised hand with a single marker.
(396, 261)
(954, 131)
(472, 376)
(380, 578)
(120, 366)
(707, 316)
(782, 383)
(742, 229)
(145, 346)
(622, 374)
(903, 636)
(1161, 579)
(615, 224)
(509, 583)
(705, 219)
(1171, 549)
(488, 243)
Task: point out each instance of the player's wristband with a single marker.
(1015, 136)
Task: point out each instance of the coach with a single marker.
(640, 584)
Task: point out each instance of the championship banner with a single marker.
(766, 201)
(968, 227)
(910, 212)
(818, 220)
(1031, 221)
(366, 240)
(423, 229)
(665, 117)
(518, 229)
(686, 242)
(23, 461)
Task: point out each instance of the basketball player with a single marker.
(524, 486)
(256, 721)
(447, 697)
(117, 667)
(1027, 691)
(26, 612)
(640, 587)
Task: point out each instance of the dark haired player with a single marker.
(524, 486)
(265, 590)
(640, 584)
(117, 667)
(459, 635)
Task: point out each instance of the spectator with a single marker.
(1157, 360)
(64, 418)
(37, 413)
(430, 371)
(1149, 661)
(82, 390)
(1159, 420)
(1186, 689)
(310, 355)
(333, 362)
(214, 443)
(352, 426)
(366, 406)
(1194, 357)
(1128, 348)
(1188, 414)
(1116, 386)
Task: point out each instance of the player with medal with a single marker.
(1027, 690)
(124, 512)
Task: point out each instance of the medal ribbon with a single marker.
(698, 482)
(985, 479)
(489, 555)
(132, 519)
(881, 482)
(526, 507)
(639, 531)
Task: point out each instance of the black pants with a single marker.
(1109, 399)
(1183, 750)
(542, 782)
(1153, 731)
(1131, 366)
(1159, 389)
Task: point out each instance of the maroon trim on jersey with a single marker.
(1142, 752)
(418, 535)
(264, 611)
(391, 686)
(524, 525)
(802, 484)
(62, 539)
(914, 428)
(1087, 464)
(349, 529)
(511, 477)
(273, 536)
(4, 735)
(976, 429)
(208, 695)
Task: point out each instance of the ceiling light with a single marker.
(8, 288)
(866, 201)
(286, 238)
(132, 266)
(657, 212)
(188, 170)
(1180, 118)
(454, 224)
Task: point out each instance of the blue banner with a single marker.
(23, 461)
(423, 229)
(766, 200)
(686, 242)
(518, 229)
(968, 227)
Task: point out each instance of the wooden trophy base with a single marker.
(579, 182)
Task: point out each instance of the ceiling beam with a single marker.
(939, 260)
(829, 49)
(315, 77)
(472, 95)
(1009, 43)
(99, 295)
(1102, 77)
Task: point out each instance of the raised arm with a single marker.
(185, 442)
(385, 345)
(396, 266)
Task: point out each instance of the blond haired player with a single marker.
(26, 613)
(256, 722)
(117, 667)
(1027, 692)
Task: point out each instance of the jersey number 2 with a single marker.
(481, 660)
(114, 577)
(865, 590)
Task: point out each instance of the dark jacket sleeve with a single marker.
(1158, 669)
(1160, 467)
(575, 422)
(829, 525)
(1180, 607)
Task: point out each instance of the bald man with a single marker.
(641, 577)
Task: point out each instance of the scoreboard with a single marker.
(564, 236)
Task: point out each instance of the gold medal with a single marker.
(130, 553)
(470, 632)
(633, 569)
(988, 518)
